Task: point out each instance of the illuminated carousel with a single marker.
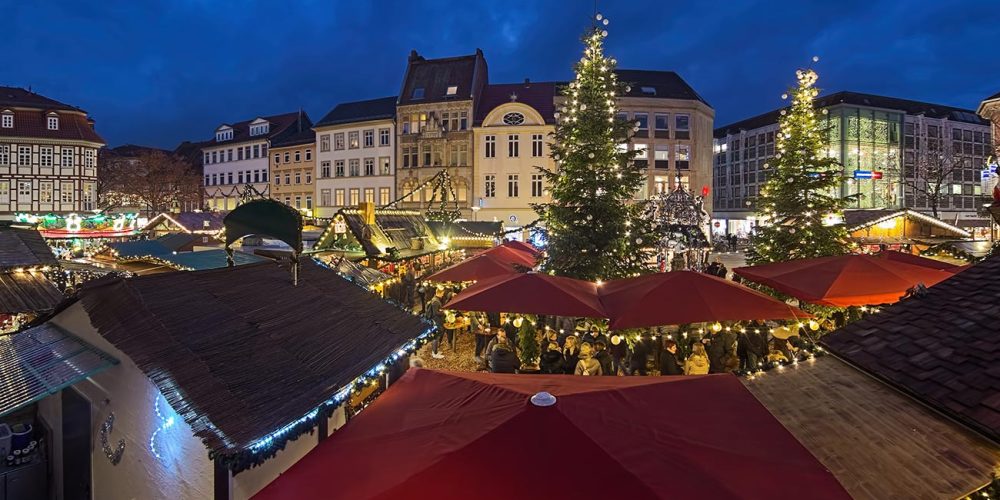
(682, 224)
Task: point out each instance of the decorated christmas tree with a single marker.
(595, 227)
(800, 206)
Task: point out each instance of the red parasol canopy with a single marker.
(531, 293)
(843, 280)
(508, 254)
(917, 260)
(522, 246)
(687, 297)
(480, 267)
(449, 435)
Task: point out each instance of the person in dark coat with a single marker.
(594, 336)
(603, 357)
(719, 346)
(751, 348)
(571, 354)
(511, 330)
(619, 350)
(669, 365)
(551, 361)
(502, 359)
(640, 354)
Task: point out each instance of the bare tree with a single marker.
(153, 180)
(931, 173)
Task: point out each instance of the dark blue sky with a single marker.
(158, 72)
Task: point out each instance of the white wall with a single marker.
(183, 470)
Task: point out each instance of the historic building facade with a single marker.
(437, 103)
(48, 155)
(293, 167)
(885, 145)
(356, 158)
(513, 129)
(237, 158)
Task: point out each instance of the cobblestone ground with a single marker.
(459, 359)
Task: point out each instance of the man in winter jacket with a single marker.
(719, 349)
(603, 357)
(640, 354)
(619, 350)
(668, 359)
(434, 313)
(502, 359)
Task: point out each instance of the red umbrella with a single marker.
(450, 435)
(531, 293)
(687, 297)
(508, 254)
(522, 246)
(917, 260)
(480, 267)
(843, 280)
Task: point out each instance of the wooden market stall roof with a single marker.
(866, 225)
(241, 352)
(877, 442)
(22, 248)
(467, 233)
(942, 347)
(190, 222)
(27, 292)
(404, 230)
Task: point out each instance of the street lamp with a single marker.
(475, 212)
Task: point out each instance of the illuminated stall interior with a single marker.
(899, 229)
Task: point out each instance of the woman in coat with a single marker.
(587, 365)
(571, 354)
(697, 362)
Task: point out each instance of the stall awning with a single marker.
(42, 361)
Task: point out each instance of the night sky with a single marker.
(156, 73)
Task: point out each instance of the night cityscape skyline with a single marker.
(174, 71)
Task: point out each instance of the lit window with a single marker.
(452, 90)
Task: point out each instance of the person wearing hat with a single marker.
(594, 336)
(434, 313)
(619, 350)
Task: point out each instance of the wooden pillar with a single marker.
(223, 481)
(321, 427)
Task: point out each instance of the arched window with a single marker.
(513, 119)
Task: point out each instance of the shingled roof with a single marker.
(434, 76)
(238, 364)
(241, 130)
(383, 108)
(859, 99)
(18, 97)
(665, 84)
(538, 95)
(942, 347)
(31, 111)
(24, 248)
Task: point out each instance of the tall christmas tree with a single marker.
(800, 205)
(595, 227)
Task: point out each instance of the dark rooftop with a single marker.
(134, 150)
(428, 80)
(349, 112)
(858, 99)
(27, 293)
(236, 363)
(23, 98)
(189, 221)
(241, 130)
(298, 133)
(538, 95)
(942, 348)
(24, 248)
(663, 84)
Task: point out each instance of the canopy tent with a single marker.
(917, 260)
(531, 293)
(477, 268)
(687, 297)
(843, 280)
(448, 435)
(522, 246)
(508, 254)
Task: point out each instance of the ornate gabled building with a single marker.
(437, 103)
(237, 158)
(48, 155)
(293, 166)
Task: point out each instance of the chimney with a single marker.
(90, 121)
(414, 56)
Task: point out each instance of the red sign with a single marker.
(704, 190)
(876, 175)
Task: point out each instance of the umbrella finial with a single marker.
(543, 399)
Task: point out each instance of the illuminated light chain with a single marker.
(165, 423)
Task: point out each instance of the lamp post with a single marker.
(475, 212)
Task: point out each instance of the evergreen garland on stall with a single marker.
(595, 227)
(800, 203)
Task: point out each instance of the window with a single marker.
(24, 191)
(683, 156)
(309, 177)
(661, 121)
(661, 157)
(406, 157)
(427, 155)
(536, 145)
(324, 169)
(463, 122)
(8, 120)
(66, 192)
(256, 150)
(89, 190)
(53, 123)
(324, 197)
(370, 138)
(298, 156)
(240, 177)
(683, 126)
(298, 202)
(288, 157)
(512, 145)
(352, 140)
(513, 119)
(490, 188)
(24, 156)
(355, 194)
(5, 154)
(338, 168)
(208, 157)
(229, 177)
(298, 177)
(45, 156)
(309, 202)
(369, 166)
(383, 196)
(338, 141)
(452, 90)
(385, 168)
(239, 153)
(208, 180)
(45, 192)
(383, 137)
(257, 177)
(215, 180)
(370, 195)
(338, 200)
(536, 185)
(642, 121)
(459, 154)
(277, 158)
(418, 93)
(491, 146)
(354, 168)
(229, 155)
(259, 129)
(641, 151)
(215, 157)
(309, 155)
(324, 143)
(512, 186)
